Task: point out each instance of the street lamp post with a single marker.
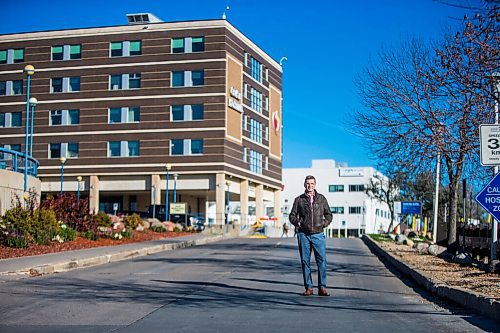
(63, 160)
(29, 71)
(79, 179)
(175, 187)
(33, 103)
(167, 167)
(227, 206)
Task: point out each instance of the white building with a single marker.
(354, 212)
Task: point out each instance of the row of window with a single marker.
(116, 49)
(340, 210)
(183, 147)
(358, 210)
(116, 82)
(115, 115)
(180, 147)
(340, 188)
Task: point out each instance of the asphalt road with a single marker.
(240, 285)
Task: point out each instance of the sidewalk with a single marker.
(476, 302)
(69, 260)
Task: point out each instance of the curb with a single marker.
(114, 257)
(484, 305)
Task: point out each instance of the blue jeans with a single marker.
(317, 243)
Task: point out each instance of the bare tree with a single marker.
(419, 100)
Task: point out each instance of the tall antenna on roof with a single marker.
(224, 14)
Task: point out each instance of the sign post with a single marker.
(489, 199)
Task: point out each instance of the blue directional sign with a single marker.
(411, 207)
(489, 197)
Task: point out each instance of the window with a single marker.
(74, 84)
(125, 48)
(177, 45)
(56, 85)
(66, 52)
(256, 100)
(245, 58)
(256, 69)
(124, 115)
(10, 119)
(124, 81)
(187, 112)
(16, 119)
(187, 147)
(123, 148)
(75, 52)
(198, 44)
(197, 78)
(65, 84)
(245, 153)
(133, 148)
(255, 131)
(55, 117)
(135, 48)
(11, 56)
(255, 161)
(72, 150)
(57, 52)
(17, 87)
(356, 188)
(64, 117)
(188, 44)
(73, 117)
(116, 49)
(134, 81)
(68, 150)
(8, 88)
(18, 56)
(335, 188)
(134, 115)
(354, 210)
(177, 79)
(188, 78)
(113, 148)
(115, 82)
(337, 210)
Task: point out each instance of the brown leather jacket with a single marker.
(310, 219)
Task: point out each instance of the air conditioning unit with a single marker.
(142, 18)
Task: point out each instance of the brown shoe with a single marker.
(323, 292)
(308, 292)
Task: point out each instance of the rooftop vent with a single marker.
(142, 18)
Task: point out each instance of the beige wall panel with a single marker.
(234, 91)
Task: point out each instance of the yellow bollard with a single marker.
(425, 225)
(413, 220)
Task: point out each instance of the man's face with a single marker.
(310, 185)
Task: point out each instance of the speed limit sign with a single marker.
(490, 144)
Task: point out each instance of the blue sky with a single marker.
(326, 42)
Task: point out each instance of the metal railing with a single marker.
(14, 161)
(476, 238)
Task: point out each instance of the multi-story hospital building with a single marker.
(122, 104)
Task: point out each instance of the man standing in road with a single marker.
(310, 215)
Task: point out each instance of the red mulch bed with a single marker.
(83, 243)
